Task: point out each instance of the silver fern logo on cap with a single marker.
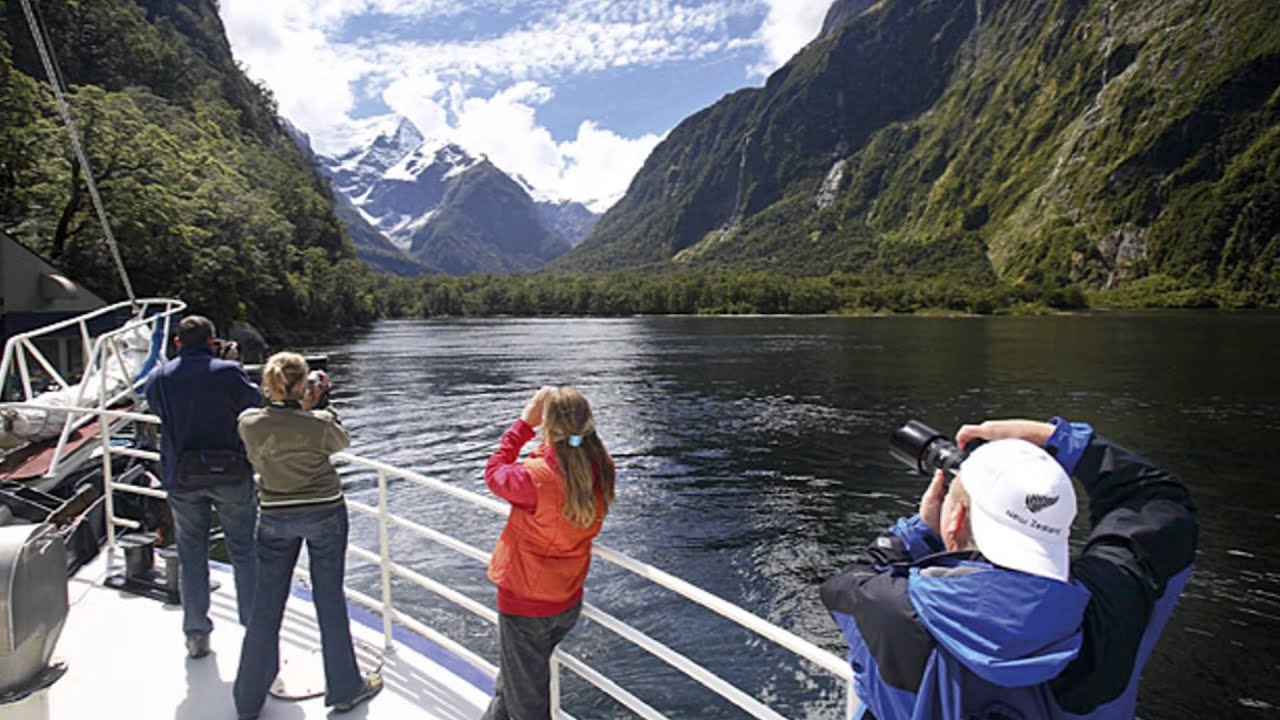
(1036, 503)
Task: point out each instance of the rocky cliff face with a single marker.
(1095, 142)
(841, 13)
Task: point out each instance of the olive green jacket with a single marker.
(290, 449)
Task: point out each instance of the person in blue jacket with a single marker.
(973, 609)
(198, 397)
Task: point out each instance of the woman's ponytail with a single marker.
(570, 429)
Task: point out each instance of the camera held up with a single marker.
(925, 450)
(317, 378)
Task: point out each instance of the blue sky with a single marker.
(570, 94)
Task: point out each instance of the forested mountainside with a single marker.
(209, 197)
(1106, 143)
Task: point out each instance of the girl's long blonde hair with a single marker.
(565, 413)
(284, 377)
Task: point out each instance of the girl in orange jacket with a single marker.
(559, 495)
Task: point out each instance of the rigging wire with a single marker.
(44, 33)
(77, 147)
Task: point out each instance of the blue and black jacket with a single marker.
(950, 636)
(198, 398)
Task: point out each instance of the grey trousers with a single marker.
(522, 690)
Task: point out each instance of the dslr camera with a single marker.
(925, 450)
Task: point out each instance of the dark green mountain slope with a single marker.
(372, 248)
(1087, 141)
(486, 223)
(208, 196)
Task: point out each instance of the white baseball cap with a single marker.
(1021, 504)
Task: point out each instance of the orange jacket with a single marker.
(542, 557)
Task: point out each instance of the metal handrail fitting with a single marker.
(823, 659)
(106, 346)
(149, 313)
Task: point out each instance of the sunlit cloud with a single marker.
(483, 85)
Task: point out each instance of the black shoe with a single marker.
(197, 645)
(372, 686)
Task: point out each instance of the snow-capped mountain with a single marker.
(400, 183)
(371, 246)
(357, 169)
(407, 194)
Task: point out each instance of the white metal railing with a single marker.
(827, 662)
(19, 347)
(151, 316)
(388, 567)
(115, 421)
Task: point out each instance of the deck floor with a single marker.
(126, 658)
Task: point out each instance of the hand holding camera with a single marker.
(226, 349)
(317, 392)
(532, 413)
(1033, 431)
(926, 450)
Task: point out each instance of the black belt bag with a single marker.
(213, 468)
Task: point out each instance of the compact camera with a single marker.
(317, 378)
(226, 349)
(925, 450)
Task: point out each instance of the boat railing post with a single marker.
(555, 686)
(24, 374)
(45, 364)
(384, 564)
(86, 347)
(105, 437)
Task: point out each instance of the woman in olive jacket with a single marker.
(289, 443)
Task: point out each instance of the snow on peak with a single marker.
(449, 159)
(377, 143)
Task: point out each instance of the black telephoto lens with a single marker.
(911, 442)
(924, 449)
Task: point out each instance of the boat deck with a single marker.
(126, 658)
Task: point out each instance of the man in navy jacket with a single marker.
(973, 609)
(199, 398)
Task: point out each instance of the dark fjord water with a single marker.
(753, 462)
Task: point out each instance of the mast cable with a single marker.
(44, 33)
(77, 147)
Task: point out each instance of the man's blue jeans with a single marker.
(237, 507)
(280, 536)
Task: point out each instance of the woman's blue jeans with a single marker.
(280, 537)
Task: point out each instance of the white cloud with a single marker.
(594, 167)
(789, 26)
(414, 98)
(446, 88)
(596, 154)
(581, 38)
(284, 45)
